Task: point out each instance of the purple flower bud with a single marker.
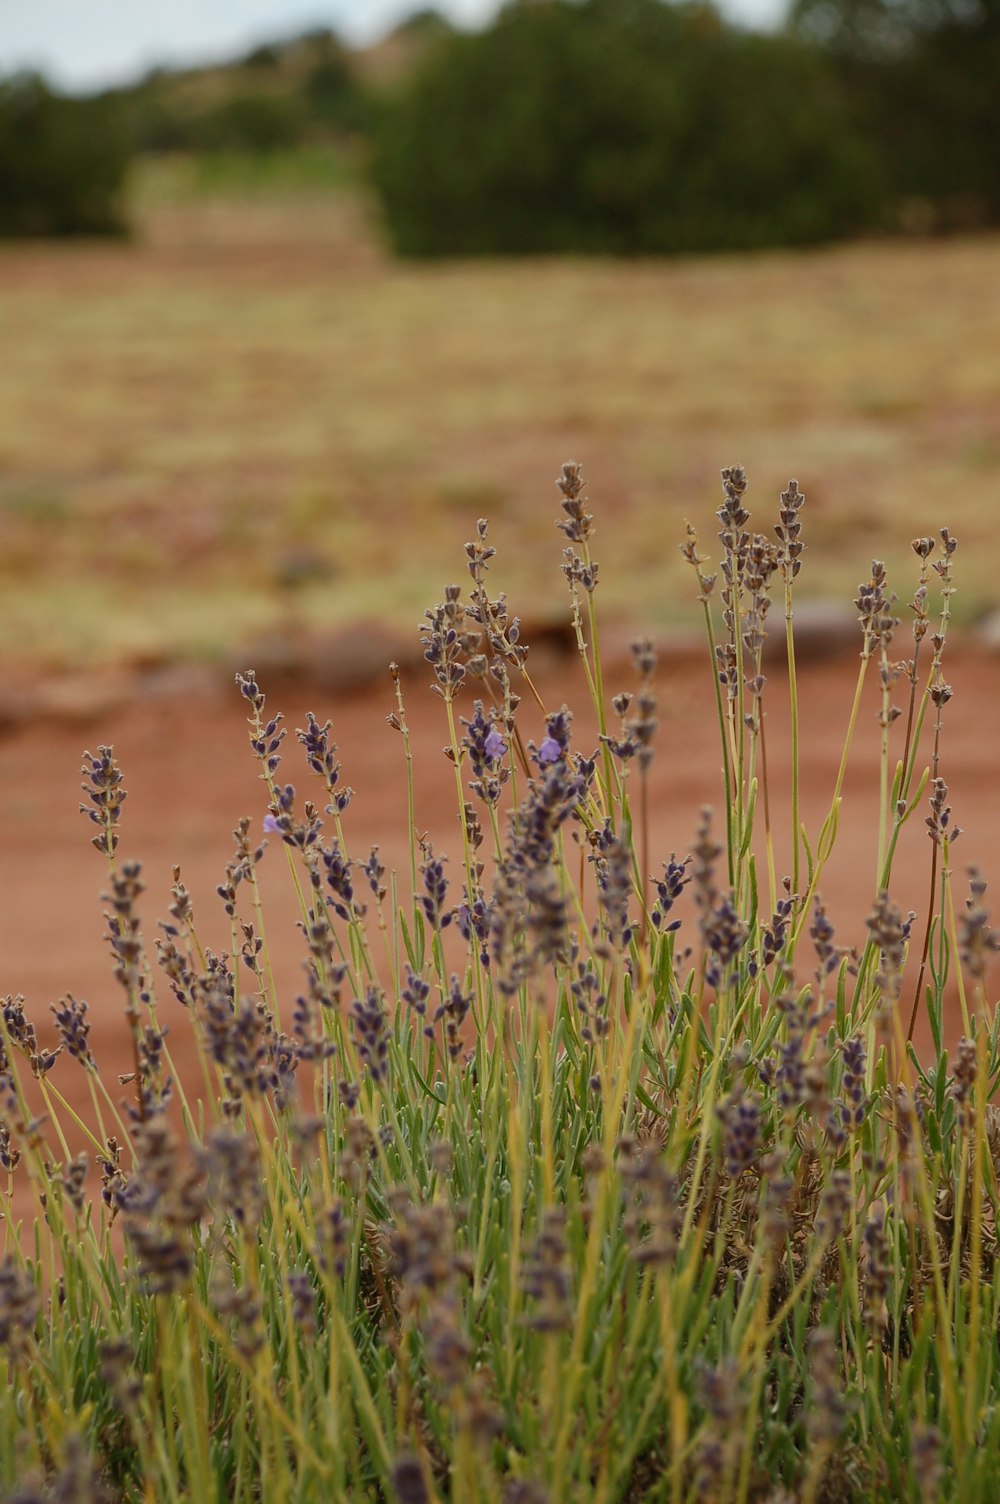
(494, 746)
(270, 824)
(549, 751)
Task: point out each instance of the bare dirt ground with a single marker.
(190, 776)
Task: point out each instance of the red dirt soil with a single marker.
(190, 776)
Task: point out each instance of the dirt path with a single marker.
(190, 776)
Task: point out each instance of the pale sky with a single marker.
(86, 44)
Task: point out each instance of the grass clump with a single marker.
(573, 1172)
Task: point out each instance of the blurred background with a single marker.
(291, 294)
(282, 320)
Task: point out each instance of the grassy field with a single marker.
(249, 420)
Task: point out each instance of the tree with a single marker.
(626, 126)
(62, 162)
(924, 75)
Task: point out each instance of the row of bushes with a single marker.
(63, 160)
(632, 126)
(621, 126)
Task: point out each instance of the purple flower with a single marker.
(549, 751)
(494, 746)
(486, 746)
(270, 824)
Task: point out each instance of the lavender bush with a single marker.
(575, 1172)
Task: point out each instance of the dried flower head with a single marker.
(877, 1268)
(874, 604)
(652, 1221)
(103, 787)
(854, 1107)
(434, 897)
(689, 548)
(72, 1179)
(977, 939)
(578, 522)
(486, 746)
(118, 1373)
(676, 876)
(928, 1463)
(938, 822)
(71, 1020)
(545, 1275)
(266, 737)
(719, 1440)
(370, 1026)
(408, 1482)
(20, 1303)
(835, 1207)
(963, 1081)
(789, 531)
(321, 755)
(827, 1414)
(741, 1130)
(447, 642)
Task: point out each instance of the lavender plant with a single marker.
(576, 1171)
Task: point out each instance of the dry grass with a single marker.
(250, 415)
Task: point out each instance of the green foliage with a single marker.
(632, 127)
(629, 128)
(334, 95)
(923, 76)
(248, 120)
(62, 162)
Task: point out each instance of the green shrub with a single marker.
(62, 162)
(333, 93)
(622, 127)
(923, 78)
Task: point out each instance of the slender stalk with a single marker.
(793, 706)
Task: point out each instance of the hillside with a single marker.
(295, 91)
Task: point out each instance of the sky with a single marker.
(87, 44)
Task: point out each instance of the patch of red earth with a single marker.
(190, 776)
